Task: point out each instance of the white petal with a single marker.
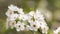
(13, 8)
(18, 30)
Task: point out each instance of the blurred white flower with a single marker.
(9, 12)
(31, 13)
(38, 15)
(25, 17)
(13, 7)
(34, 26)
(57, 30)
(31, 16)
(19, 26)
(44, 29)
(12, 24)
(13, 16)
(21, 16)
(20, 11)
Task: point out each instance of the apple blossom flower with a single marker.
(20, 11)
(13, 7)
(34, 26)
(57, 30)
(9, 12)
(38, 15)
(12, 24)
(13, 16)
(19, 26)
(31, 13)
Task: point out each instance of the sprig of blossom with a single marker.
(16, 18)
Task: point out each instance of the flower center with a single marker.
(34, 25)
(13, 23)
(19, 26)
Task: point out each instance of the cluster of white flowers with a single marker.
(34, 20)
(57, 30)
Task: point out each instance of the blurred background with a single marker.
(50, 9)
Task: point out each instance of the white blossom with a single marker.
(25, 17)
(13, 16)
(44, 29)
(38, 15)
(12, 24)
(9, 12)
(20, 11)
(57, 30)
(21, 16)
(13, 7)
(31, 13)
(19, 26)
(34, 26)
